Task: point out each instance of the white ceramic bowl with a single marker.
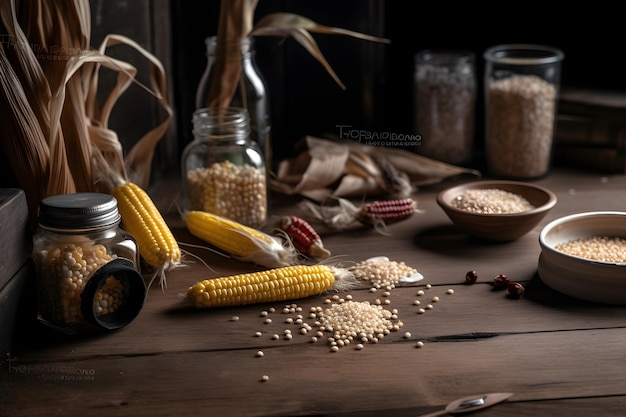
(602, 282)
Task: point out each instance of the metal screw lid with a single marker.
(78, 211)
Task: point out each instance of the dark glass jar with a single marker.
(249, 91)
(223, 170)
(86, 265)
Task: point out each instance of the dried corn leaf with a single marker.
(26, 147)
(138, 159)
(53, 128)
(55, 31)
(23, 62)
(298, 27)
(235, 22)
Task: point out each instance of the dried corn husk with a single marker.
(325, 169)
(53, 126)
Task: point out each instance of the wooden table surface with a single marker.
(559, 356)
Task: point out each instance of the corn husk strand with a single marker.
(377, 214)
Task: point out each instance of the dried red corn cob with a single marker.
(304, 238)
(386, 211)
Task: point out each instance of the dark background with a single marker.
(379, 96)
(379, 77)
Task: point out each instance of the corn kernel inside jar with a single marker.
(237, 192)
(62, 274)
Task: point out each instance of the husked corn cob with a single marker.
(278, 284)
(142, 219)
(238, 240)
(386, 211)
(304, 238)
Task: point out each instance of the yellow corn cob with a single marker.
(278, 284)
(240, 241)
(141, 218)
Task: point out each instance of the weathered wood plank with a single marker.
(308, 379)
(556, 353)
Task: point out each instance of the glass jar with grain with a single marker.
(521, 96)
(445, 95)
(87, 267)
(223, 170)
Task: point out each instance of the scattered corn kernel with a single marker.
(260, 354)
(419, 344)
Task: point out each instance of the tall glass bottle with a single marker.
(250, 90)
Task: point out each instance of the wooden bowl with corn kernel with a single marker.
(496, 210)
(583, 255)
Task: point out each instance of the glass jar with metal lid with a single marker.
(223, 170)
(87, 267)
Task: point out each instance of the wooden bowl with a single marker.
(577, 276)
(498, 227)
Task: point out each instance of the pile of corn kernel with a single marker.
(63, 273)
(237, 192)
(361, 322)
(382, 272)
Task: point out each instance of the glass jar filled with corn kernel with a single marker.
(87, 267)
(223, 170)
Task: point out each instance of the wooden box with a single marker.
(16, 269)
(591, 131)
